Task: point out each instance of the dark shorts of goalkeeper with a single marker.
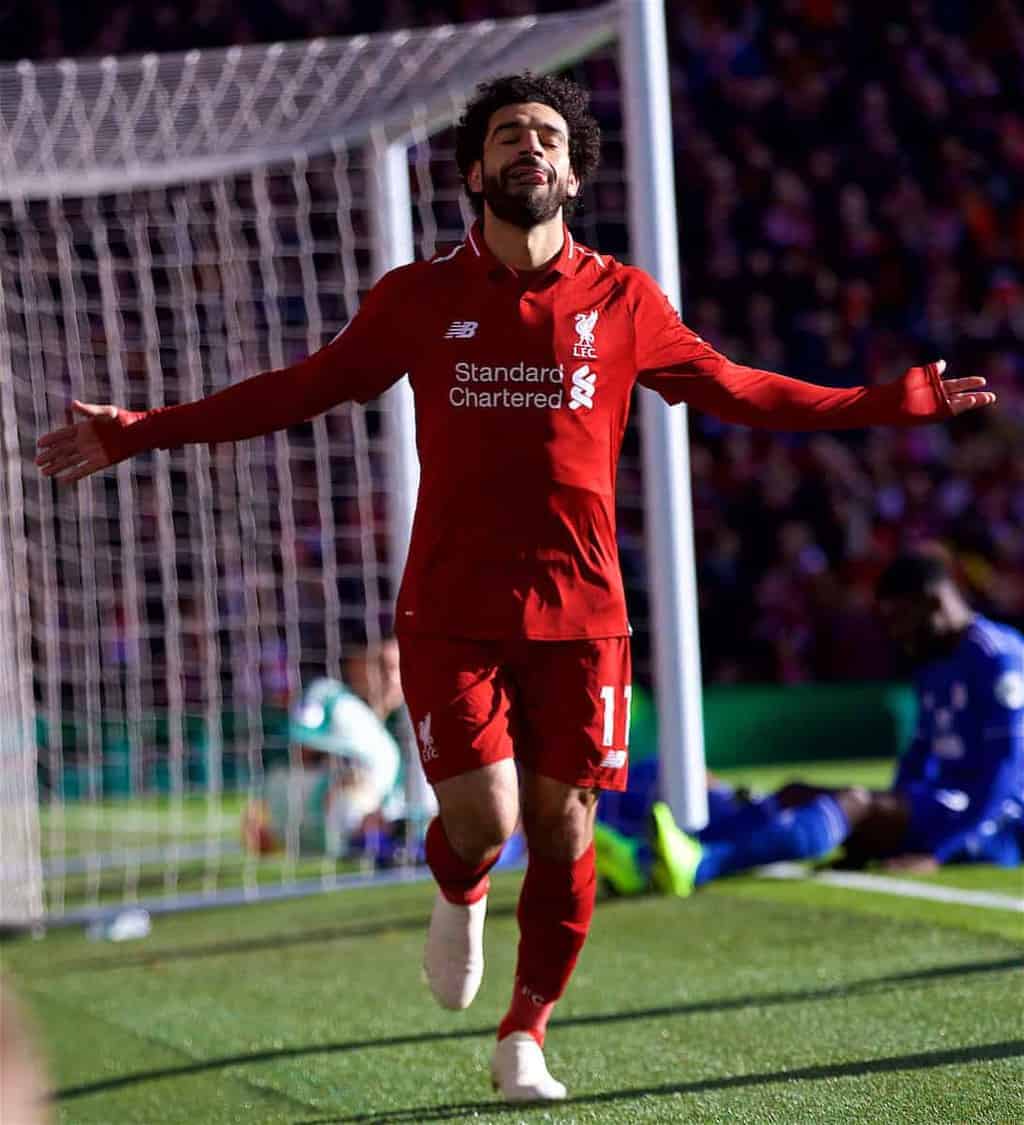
(559, 708)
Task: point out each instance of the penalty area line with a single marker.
(886, 885)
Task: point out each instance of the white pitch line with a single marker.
(904, 888)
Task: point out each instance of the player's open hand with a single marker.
(76, 451)
(912, 863)
(964, 394)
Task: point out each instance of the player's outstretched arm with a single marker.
(359, 364)
(673, 360)
(750, 397)
(103, 435)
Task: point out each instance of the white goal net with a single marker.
(170, 224)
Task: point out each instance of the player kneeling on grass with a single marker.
(339, 795)
(958, 793)
(344, 792)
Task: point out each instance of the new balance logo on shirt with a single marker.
(462, 330)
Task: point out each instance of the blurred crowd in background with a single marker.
(851, 202)
(850, 182)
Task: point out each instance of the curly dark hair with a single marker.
(916, 571)
(562, 94)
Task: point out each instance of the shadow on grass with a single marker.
(146, 958)
(1011, 1049)
(699, 1007)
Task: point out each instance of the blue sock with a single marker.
(802, 833)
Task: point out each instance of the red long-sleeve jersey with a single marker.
(522, 385)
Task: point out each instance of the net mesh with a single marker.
(170, 225)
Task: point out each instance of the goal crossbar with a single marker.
(113, 124)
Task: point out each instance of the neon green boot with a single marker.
(617, 859)
(676, 855)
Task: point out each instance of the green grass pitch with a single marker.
(754, 1001)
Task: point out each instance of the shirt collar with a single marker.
(479, 256)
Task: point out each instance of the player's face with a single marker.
(312, 758)
(914, 624)
(525, 176)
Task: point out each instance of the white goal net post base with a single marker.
(169, 224)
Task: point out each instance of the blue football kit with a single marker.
(963, 774)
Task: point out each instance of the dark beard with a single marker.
(523, 209)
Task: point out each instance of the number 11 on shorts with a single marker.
(608, 696)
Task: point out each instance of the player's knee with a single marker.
(560, 827)
(478, 834)
(480, 811)
(480, 839)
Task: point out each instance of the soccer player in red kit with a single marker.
(523, 348)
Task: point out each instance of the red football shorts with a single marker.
(560, 708)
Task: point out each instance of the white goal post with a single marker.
(21, 900)
(169, 224)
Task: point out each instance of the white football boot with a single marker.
(519, 1072)
(453, 958)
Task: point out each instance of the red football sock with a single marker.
(460, 882)
(555, 908)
